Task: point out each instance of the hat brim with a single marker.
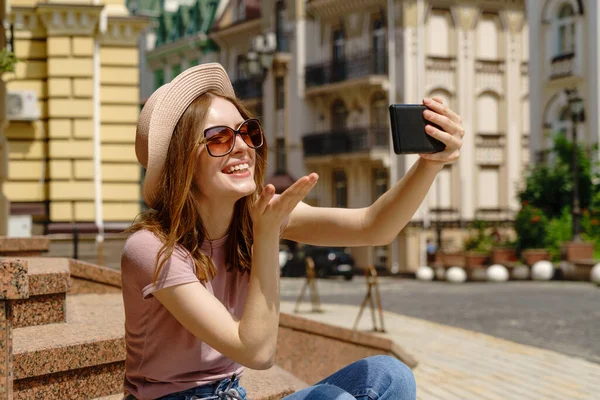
(169, 107)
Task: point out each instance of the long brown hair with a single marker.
(175, 219)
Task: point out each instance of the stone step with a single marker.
(48, 282)
(82, 358)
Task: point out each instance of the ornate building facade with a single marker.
(565, 54)
(74, 161)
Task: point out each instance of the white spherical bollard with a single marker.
(440, 273)
(456, 275)
(542, 271)
(595, 274)
(520, 272)
(497, 273)
(425, 273)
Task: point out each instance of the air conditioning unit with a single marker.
(22, 105)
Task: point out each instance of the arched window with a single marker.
(487, 39)
(379, 111)
(566, 29)
(379, 43)
(339, 114)
(438, 35)
(340, 189)
(487, 114)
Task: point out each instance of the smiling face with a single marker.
(231, 176)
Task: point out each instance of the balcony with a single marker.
(350, 140)
(360, 65)
(248, 88)
(562, 66)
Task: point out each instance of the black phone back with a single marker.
(408, 130)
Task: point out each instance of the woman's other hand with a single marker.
(269, 212)
(451, 135)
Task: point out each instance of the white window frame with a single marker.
(568, 24)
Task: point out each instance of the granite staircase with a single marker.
(62, 336)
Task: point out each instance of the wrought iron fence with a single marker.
(361, 64)
(248, 88)
(351, 140)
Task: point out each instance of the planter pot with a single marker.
(476, 260)
(575, 251)
(453, 259)
(531, 256)
(503, 255)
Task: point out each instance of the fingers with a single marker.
(444, 137)
(298, 191)
(437, 105)
(265, 197)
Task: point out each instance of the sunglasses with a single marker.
(220, 140)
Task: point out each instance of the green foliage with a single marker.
(560, 230)
(550, 186)
(531, 225)
(479, 240)
(590, 222)
(7, 61)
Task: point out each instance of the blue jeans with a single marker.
(372, 378)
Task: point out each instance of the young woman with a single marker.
(200, 271)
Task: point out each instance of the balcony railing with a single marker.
(248, 88)
(562, 66)
(351, 140)
(357, 66)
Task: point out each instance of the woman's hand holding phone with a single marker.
(451, 132)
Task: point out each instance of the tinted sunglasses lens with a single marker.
(219, 140)
(251, 132)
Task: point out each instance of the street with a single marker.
(559, 316)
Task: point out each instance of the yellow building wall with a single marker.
(119, 99)
(52, 159)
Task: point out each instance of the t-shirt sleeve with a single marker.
(139, 263)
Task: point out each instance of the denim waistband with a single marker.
(226, 389)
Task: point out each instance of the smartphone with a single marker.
(408, 130)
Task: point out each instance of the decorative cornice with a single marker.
(69, 19)
(123, 31)
(327, 9)
(24, 18)
(233, 32)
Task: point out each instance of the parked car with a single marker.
(329, 261)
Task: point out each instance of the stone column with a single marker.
(3, 143)
(513, 24)
(537, 76)
(465, 18)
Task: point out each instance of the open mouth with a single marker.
(237, 169)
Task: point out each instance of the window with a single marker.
(487, 114)
(566, 29)
(380, 182)
(175, 70)
(338, 47)
(339, 114)
(159, 78)
(379, 111)
(281, 154)
(241, 10)
(282, 43)
(340, 189)
(379, 51)
(489, 183)
(438, 34)
(280, 92)
(487, 39)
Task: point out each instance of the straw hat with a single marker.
(163, 110)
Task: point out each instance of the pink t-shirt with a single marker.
(162, 356)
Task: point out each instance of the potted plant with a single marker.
(531, 226)
(504, 252)
(478, 246)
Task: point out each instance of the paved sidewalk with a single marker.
(459, 364)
